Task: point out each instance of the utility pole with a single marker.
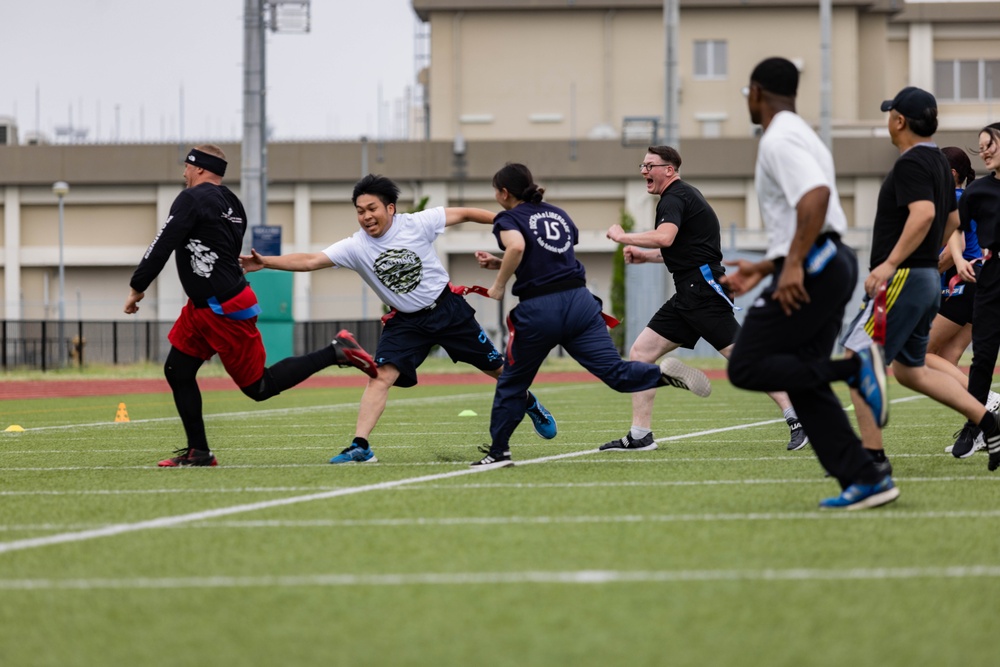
(258, 15)
(825, 84)
(671, 21)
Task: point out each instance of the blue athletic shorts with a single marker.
(408, 338)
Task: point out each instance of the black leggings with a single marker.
(181, 371)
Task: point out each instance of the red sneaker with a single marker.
(349, 353)
(189, 457)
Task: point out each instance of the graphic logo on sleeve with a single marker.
(399, 269)
(202, 258)
(552, 232)
(235, 219)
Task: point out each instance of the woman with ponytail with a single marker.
(555, 308)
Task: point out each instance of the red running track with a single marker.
(14, 389)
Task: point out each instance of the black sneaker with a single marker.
(492, 460)
(349, 353)
(965, 441)
(189, 457)
(993, 445)
(884, 467)
(643, 444)
(799, 439)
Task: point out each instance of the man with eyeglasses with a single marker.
(688, 240)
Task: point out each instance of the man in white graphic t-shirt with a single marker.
(394, 253)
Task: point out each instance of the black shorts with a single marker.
(696, 311)
(408, 338)
(956, 305)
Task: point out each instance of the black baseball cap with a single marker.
(911, 102)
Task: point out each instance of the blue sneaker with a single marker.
(863, 496)
(541, 419)
(355, 454)
(872, 384)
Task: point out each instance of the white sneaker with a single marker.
(993, 401)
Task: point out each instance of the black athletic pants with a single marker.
(985, 330)
(791, 353)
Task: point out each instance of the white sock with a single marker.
(637, 432)
(790, 414)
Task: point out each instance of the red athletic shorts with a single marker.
(201, 333)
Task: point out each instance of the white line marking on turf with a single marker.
(576, 577)
(335, 407)
(166, 522)
(497, 485)
(420, 522)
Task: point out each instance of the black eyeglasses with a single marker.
(648, 166)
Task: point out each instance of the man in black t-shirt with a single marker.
(916, 211)
(205, 231)
(687, 239)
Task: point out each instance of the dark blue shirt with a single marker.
(549, 236)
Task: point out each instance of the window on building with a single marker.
(967, 80)
(710, 59)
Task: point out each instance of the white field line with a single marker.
(336, 407)
(422, 522)
(496, 485)
(165, 522)
(353, 406)
(571, 577)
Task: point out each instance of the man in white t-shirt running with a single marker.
(394, 253)
(789, 332)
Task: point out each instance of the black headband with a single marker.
(214, 164)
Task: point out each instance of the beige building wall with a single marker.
(553, 98)
(579, 70)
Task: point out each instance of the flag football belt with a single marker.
(706, 273)
(462, 290)
(244, 314)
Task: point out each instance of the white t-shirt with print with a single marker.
(791, 161)
(401, 265)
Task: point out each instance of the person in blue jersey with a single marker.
(555, 308)
(951, 331)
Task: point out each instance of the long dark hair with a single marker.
(959, 161)
(517, 180)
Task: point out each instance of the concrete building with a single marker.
(545, 82)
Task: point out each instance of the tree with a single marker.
(618, 285)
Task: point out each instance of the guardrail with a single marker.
(47, 345)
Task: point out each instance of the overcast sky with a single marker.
(112, 66)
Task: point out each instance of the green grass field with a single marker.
(708, 551)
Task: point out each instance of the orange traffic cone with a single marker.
(122, 415)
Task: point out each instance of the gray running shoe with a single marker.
(676, 373)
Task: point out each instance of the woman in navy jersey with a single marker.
(555, 308)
